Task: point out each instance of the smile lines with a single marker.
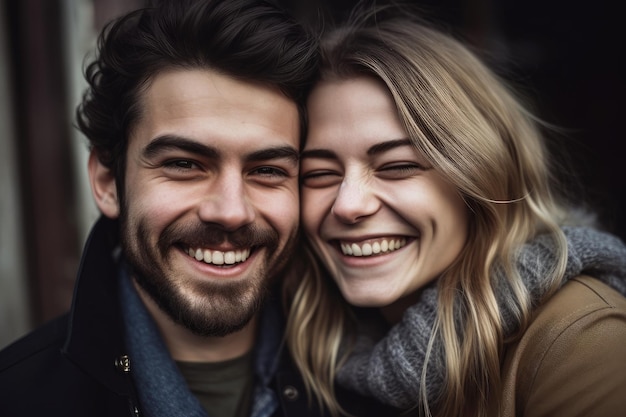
(374, 248)
(217, 257)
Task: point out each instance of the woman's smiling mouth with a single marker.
(372, 247)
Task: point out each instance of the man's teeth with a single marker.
(217, 257)
(374, 248)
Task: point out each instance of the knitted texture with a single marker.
(391, 368)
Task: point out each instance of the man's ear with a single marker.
(103, 187)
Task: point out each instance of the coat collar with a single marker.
(95, 340)
(96, 336)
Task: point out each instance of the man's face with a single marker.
(211, 205)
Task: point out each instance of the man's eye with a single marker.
(268, 171)
(181, 164)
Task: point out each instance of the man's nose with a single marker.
(227, 203)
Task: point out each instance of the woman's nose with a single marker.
(355, 201)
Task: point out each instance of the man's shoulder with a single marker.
(44, 340)
(38, 378)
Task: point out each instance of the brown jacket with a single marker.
(571, 361)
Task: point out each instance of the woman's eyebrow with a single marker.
(318, 153)
(388, 145)
(373, 150)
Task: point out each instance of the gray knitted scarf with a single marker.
(390, 369)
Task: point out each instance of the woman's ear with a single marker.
(103, 187)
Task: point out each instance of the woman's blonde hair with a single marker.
(482, 139)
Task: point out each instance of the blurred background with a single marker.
(569, 57)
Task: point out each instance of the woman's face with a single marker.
(383, 221)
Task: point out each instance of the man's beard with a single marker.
(205, 308)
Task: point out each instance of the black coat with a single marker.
(75, 365)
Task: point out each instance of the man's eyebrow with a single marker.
(278, 152)
(170, 142)
(318, 153)
(388, 145)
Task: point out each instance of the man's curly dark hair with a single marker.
(252, 40)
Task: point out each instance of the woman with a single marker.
(427, 198)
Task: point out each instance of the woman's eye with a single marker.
(400, 170)
(320, 179)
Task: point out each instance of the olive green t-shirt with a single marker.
(223, 388)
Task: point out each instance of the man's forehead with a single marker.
(211, 107)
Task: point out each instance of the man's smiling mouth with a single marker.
(217, 257)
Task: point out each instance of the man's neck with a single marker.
(186, 346)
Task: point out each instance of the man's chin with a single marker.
(223, 322)
(216, 310)
(216, 328)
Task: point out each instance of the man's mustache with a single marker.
(199, 235)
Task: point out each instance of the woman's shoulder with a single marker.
(586, 294)
(572, 354)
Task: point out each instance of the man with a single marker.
(194, 116)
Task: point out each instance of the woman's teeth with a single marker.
(372, 248)
(217, 257)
